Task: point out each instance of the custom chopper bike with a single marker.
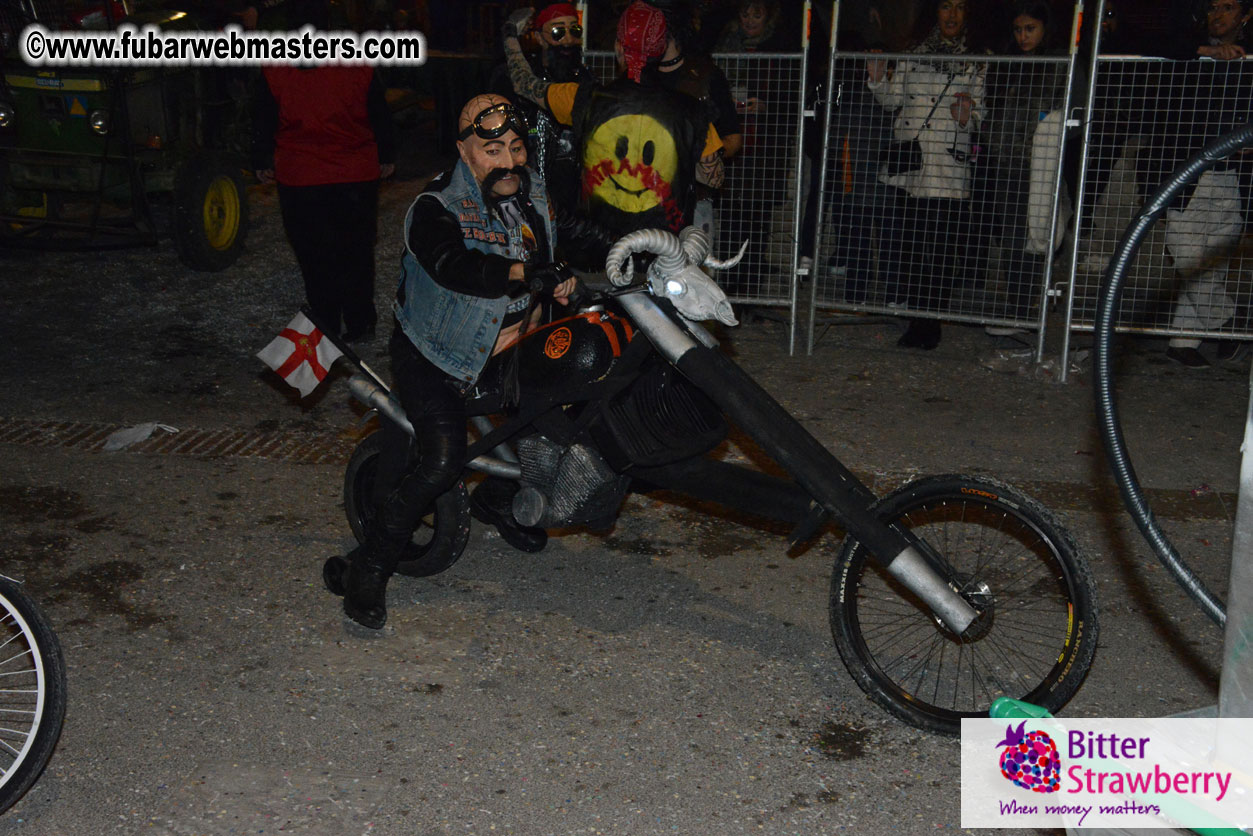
(948, 593)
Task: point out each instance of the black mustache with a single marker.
(497, 174)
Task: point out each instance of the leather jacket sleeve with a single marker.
(436, 241)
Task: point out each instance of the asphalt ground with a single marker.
(674, 675)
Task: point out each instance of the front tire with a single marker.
(1013, 561)
(439, 541)
(32, 700)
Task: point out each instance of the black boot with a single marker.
(333, 571)
(365, 594)
(362, 581)
(362, 577)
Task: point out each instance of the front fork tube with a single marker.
(824, 478)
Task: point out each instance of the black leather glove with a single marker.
(517, 24)
(544, 278)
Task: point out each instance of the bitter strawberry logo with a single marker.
(1030, 759)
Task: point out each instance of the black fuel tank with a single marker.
(578, 349)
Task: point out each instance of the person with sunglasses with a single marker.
(642, 147)
(559, 31)
(478, 250)
(550, 145)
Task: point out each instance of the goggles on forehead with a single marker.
(558, 31)
(495, 121)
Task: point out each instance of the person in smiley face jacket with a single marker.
(642, 146)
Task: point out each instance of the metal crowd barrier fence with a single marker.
(978, 235)
(759, 201)
(1193, 275)
(961, 231)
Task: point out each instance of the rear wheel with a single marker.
(210, 213)
(1013, 561)
(440, 539)
(32, 698)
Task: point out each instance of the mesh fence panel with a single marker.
(602, 64)
(1192, 273)
(960, 226)
(757, 201)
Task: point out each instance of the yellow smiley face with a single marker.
(630, 162)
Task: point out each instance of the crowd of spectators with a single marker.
(971, 202)
(970, 158)
(941, 167)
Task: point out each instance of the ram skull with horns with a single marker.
(675, 274)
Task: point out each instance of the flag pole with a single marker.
(348, 353)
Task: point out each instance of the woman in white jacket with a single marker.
(939, 103)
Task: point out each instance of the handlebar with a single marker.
(544, 278)
(543, 283)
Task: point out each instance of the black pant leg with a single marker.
(1024, 271)
(308, 230)
(918, 267)
(438, 415)
(356, 214)
(934, 233)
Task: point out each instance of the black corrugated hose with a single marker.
(1107, 410)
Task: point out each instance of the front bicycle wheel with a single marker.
(1013, 561)
(32, 692)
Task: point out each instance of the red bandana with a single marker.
(555, 10)
(642, 33)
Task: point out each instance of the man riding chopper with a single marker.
(953, 564)
(957, 544)
(477, 241)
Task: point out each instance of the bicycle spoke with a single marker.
(25, 652)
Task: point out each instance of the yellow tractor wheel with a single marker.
(210, 214)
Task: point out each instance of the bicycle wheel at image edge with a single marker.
(438, 542)
(32, 697)
(1013, 561)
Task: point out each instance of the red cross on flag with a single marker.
(301, 354)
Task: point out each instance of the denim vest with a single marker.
(456, 331)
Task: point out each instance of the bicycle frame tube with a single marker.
(369, 392)
(813, 467)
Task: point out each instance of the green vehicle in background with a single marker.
(120, 157)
